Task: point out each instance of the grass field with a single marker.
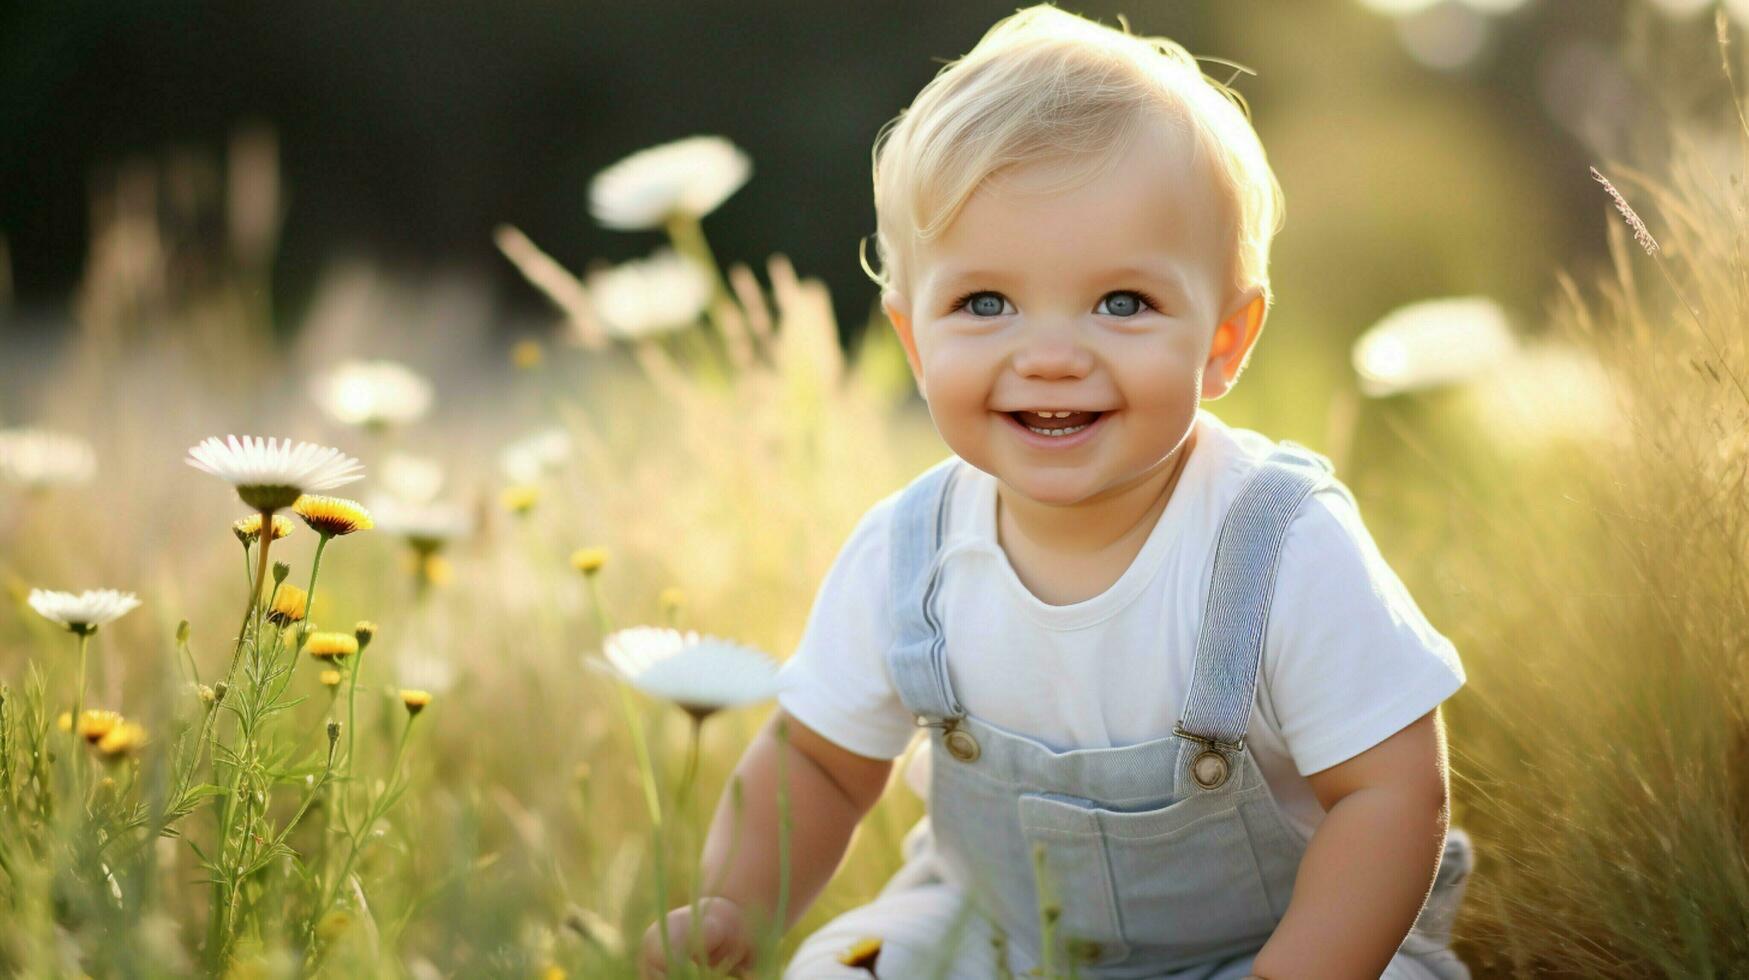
(1573, 515)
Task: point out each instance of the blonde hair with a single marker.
(1047, 84)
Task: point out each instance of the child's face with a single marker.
(1107, 298)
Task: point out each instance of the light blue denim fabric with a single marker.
(1157, 874)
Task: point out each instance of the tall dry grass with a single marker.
(1603, 759)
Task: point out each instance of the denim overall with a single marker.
(1167, 855)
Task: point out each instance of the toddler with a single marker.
(1157, 655)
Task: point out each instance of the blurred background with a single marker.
(370, 226)
(403, 137)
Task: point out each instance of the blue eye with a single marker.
(983, 303)
(1127, 302)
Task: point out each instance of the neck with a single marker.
(1098, 524)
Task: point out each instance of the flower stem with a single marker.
(218, 938)
(683, 803)
(310, 593)
(78, 709)
(646, 772)
(351, 727)
(376, 811)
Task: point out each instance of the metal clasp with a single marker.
(1210, 768)
(960, 743)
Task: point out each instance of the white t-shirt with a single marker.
(1348, 657)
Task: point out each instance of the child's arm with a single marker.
(1371, 862)
(830, 790)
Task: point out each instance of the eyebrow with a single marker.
(1173, 282)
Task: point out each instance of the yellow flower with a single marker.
(588, 560)
(94, 723)
(64, 721)
(553, 972)
(329, 678)
(526, 354)
(332, 517)
(124, 739)
(671, 598)
(436, 569)
(415, 700)
(248, 529)
(520, 499)
(290, 603)
(329, 646)
(862, 954)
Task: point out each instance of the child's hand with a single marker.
(722, 935)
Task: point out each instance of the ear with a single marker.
(898, 310)
(1232, 344)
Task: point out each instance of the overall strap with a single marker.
(915, 659)
(1229, 647)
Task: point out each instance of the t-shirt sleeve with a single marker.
(1349, 658)
(836, 681)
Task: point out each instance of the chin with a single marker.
(1060, 486)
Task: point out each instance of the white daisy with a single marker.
(372, 393)
(533, 456)
(1432, 343)
(426, 526)
(38, 458)
(666, 291)
(414, 479)
(689, 176)
(272, 473)
(701, 674)
(84, 612)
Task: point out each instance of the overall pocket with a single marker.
(1187, 880)
(1088, 929)
(1173, 884)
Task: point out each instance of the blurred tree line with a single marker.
(405, 133)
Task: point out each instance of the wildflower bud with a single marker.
(1052, 913)
(329, 678)
(280, 571)
(415, 701)
(207, 695)
(182, 632)
(364, 631)
(219, 690)
(333, 733)
(588, 560)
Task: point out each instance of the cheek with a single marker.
(956, 378)
(1162, 374)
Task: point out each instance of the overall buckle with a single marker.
(960, 743)
(1210, 768)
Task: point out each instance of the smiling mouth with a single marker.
(1063, 426)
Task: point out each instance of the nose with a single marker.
(1053, 351)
